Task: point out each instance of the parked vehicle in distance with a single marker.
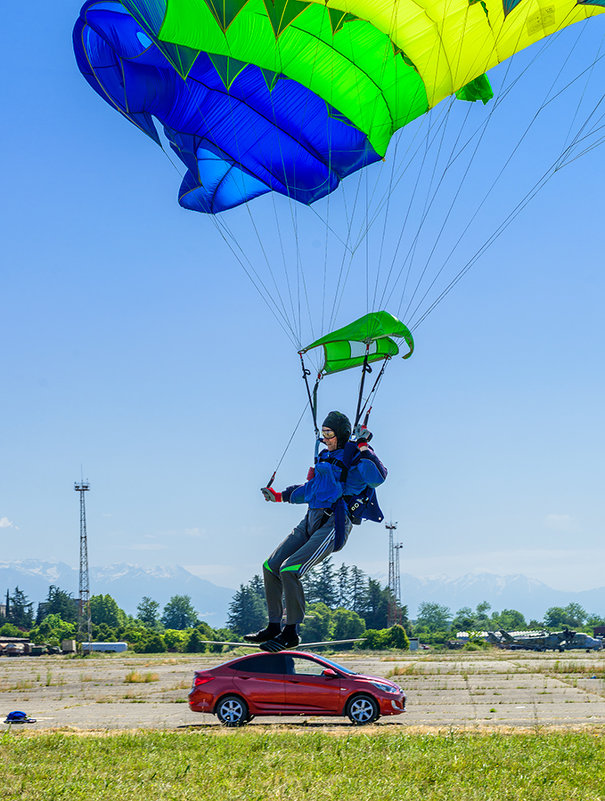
(291, 683)
(104, 647)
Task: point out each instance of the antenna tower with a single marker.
(394, 615)
(84, 621)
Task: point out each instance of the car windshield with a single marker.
(338, 667)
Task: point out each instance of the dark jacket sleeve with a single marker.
(369, 454)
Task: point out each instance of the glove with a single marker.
(270, 495)
(361, 435)
(311, 473)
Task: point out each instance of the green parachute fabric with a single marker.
(381, 63)
(369, 337)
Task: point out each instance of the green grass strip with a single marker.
(256, 764)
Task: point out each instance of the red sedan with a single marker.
(291, 683)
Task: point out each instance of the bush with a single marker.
(152, 644)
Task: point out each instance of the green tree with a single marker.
(464, 620)
(481, 614)
(20, 610)
(358, 583)
(52, 630)
(247, 610)
(58, 602)
(317, 626)
(376, 605)
(433, 616)
(347, 624)
(343, 588)
(573, 615)
(151, 643)
(194, 643)
(398, 638)
(179, 613)
(175, 639)
(105, 611)
(321, 587)
(10, 630)
(148, 612)
(509, 620)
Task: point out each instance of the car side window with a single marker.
(306, 667)
(265, 663)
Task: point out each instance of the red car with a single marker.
(291, 683)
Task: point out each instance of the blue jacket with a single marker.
(344, 473)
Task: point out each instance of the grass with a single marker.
(255, 764)
(134, 677)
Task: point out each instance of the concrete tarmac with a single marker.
(456, 689)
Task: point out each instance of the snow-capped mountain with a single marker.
(129, 583)
(527, 595)
(126, 583)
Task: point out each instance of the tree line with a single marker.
(343, 603)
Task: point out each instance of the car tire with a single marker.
(232, 711)
(362, 709)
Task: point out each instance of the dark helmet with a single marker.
(340, 424)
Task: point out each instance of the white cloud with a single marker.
(196, 533)
(559, 522)
(6, 523)
(148, 546)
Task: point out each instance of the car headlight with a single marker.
(386, 688)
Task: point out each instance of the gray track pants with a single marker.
(310, 543)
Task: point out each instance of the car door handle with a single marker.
(293, 681)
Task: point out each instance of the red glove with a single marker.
(311, 473)
(270, 495)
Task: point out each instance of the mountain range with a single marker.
(129, 583)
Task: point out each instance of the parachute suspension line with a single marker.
(283, 456)
(373, 391)
(252, 275)
(340, 283)
(427, 141)
(513, 214)
(385, 220)
(453, 158)
(344, 272)
(411, 255)
(270, 300)
(365, 369)
(447, 216)
(284, 259)
(311, 395)
(538, 186)
(482, 128)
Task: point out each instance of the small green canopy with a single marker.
(370, 337)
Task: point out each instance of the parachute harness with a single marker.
(366, 340)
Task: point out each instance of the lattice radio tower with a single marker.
(394, 615)
(84, 621)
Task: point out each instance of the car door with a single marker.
(260, 680)
(308, 691)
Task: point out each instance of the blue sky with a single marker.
(136, 349)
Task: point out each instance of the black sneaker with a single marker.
(263, 635)
(283, 642)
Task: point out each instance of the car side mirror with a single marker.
(328, 673)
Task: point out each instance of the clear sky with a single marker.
(136, 350)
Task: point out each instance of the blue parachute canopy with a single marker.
(240, 131)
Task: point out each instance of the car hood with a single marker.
(362, 677)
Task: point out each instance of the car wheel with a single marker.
(362, 709)
(232, 711)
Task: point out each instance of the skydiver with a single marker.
(339, 491)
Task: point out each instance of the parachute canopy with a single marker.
(292, 96)
(363, 341)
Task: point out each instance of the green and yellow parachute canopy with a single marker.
(291, 96)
